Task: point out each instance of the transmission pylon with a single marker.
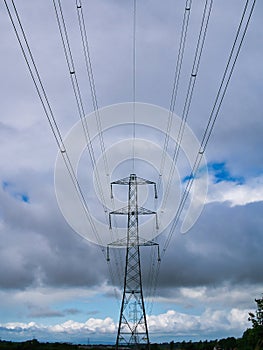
(133, 330)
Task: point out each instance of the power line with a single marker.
(190, 90)
(234, 53)
(154, 267)
(232, 57)
(134, 84)
(177, 74)
(238, 41)
(34, 73)
(35, 76)
(89, 69)
(117, 259)
(189, 94)
(77, 93)
(76, 90)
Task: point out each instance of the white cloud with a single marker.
(235, 193)
(224, 296)
(92, 325)
(171, 322)
(210, 321)
(19, 326)
(39, 252)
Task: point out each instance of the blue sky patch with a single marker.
(221, 173)
(11, 189)
(198, 174)
(188, 177)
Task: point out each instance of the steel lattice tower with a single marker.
(133, 328)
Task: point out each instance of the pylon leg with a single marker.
(133, 330)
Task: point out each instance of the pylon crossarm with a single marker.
(121, 211)
(132, 316)
(144, 211)
(125, 211)
(142, 181)
(132, 179)
(124, 181)
(123, 243)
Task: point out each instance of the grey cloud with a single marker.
(45, 313)
(223, 246)
(72, 311)
(38, 312)
(37, 247)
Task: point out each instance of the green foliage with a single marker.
(35, 345)
(254, 336)
(257, 320)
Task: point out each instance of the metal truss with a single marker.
(133, 330)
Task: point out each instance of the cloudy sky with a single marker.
(54, 283)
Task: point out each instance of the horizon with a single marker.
(55, 280)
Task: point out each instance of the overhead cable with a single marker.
(35, 76)
(134, 85)
(89, 69)
(231, 62)
(77, 94)
(190, 90)
(91, 79)
(176, 80)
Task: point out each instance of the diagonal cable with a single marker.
(77, 93)
(228, 72)
(177, 74)
(190, 90)
(89, 70)
(35, 76)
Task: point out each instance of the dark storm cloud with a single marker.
(223, 246)
(222, 253)
(59, 246)
(38, 247)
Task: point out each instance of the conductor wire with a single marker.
(89, 69)
(134, 86)
(34, 73)
(233, 56)
(177, 74)
(190, 90)
(77, 93)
